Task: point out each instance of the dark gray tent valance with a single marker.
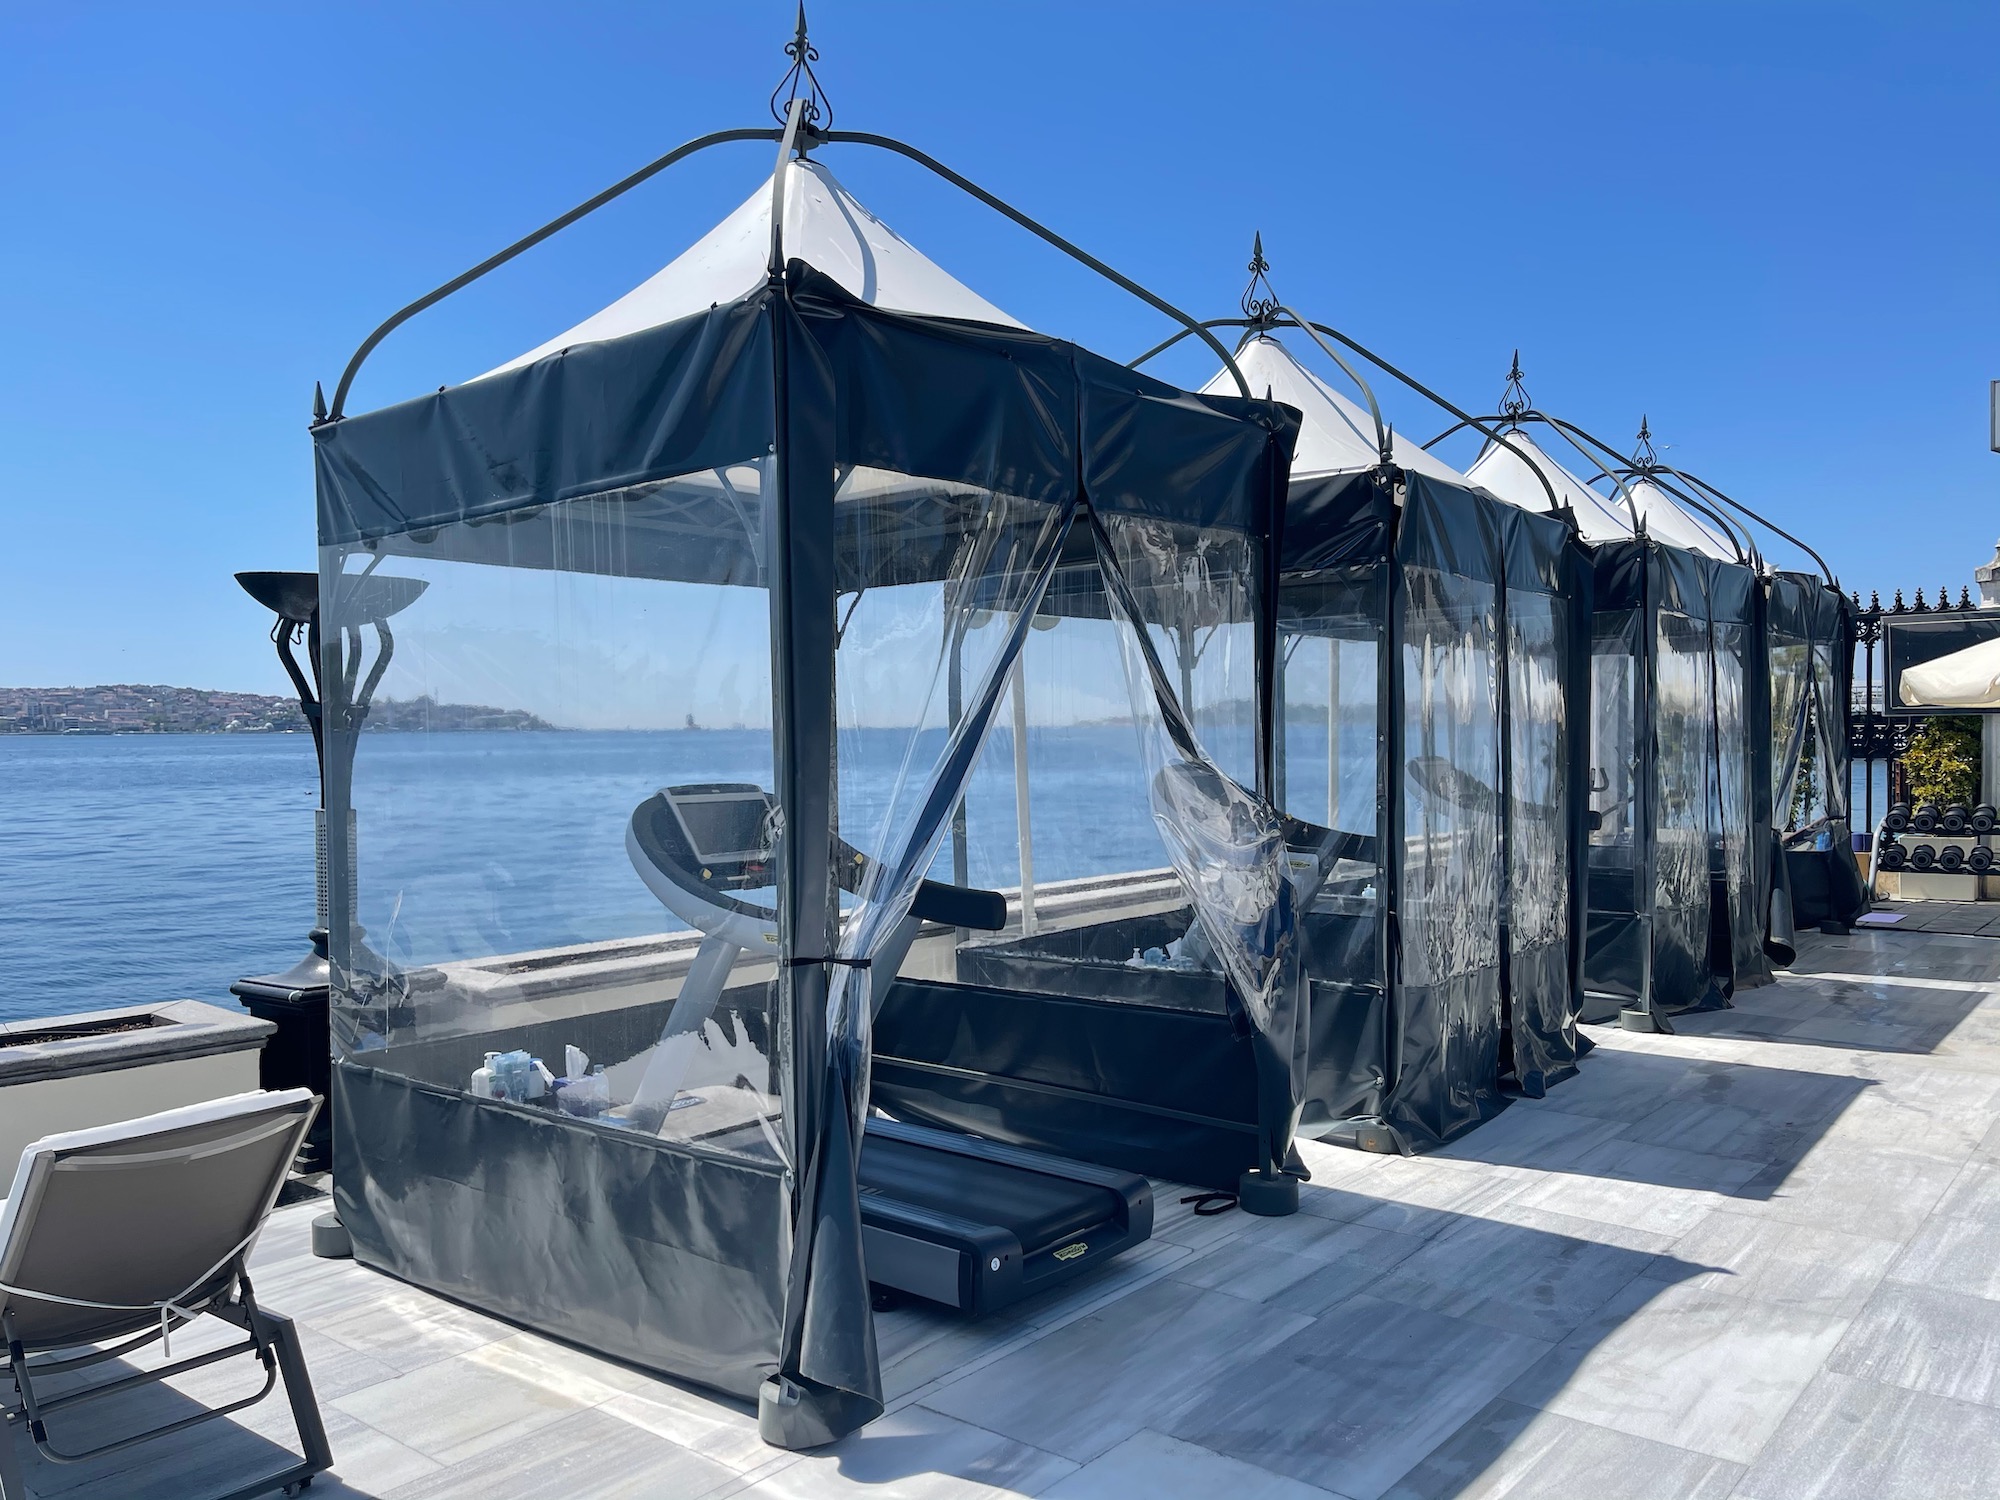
(932, 398)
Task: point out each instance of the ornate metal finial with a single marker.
(1643, 456)
(319, 404)
(1514, 402)
(818, 115)
(1261, 311)
(1965, 598)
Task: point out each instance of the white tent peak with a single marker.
(1337, 435)
(1503, 471)
(825, 226)
(1667, 520)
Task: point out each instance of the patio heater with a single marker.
(295, 1001)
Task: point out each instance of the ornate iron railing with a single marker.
(1874, 738)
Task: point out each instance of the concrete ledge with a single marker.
(130, 1036)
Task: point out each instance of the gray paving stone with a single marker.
(1148, 1463)
(1531, 1133)
(1769, 1260)
(1514, 1452)
(1954, 1255)
(1336, 1260)
(1090, 1384)
(1851, 1439)
(1942, 1343)
(456, 1409)
(1352, 1402)
(1974, 1194)
(913, 1454)
(1527, 1282)
(1707, 1372)
(585, 1456)
(1847, 1186)
(1652, 1188)
(1758, 1114)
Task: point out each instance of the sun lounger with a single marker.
(117, 1236)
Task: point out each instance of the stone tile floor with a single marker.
(1752, 1259)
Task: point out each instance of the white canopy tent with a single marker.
(833, 231)
(1337, 436)
(1503, 471)
(825, 225)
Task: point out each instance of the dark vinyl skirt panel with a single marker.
(610, 1240)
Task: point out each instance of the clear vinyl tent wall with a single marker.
(787, 553)
(1811, 643)
(1683, 878)
(1430, 691)
(1431, 648)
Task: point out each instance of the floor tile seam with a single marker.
(1751, 1217)
(1383, 1290)
(1029, 1335)
(744, 1483)
(1890, 1278)
(391, 1358)
(1947, 1062)
(1774, 1050)
(560, 1393)
(605, 1409)
(1305, 1484)
(573, 1403)
(1543, 1410)
(1015, 1443)
(1966, 1405)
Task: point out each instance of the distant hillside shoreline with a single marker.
(152, 708)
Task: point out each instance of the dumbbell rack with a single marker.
(1929, 840)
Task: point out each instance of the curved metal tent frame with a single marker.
(1320, 333)
(792, 138)
(1405, 1105)
(810, 1357)
(1620, 471)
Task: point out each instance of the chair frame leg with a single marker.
(273, 1339)
(12, 1485)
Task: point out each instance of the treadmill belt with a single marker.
(1035, 1208)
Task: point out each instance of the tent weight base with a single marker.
(1637, 1020)
(330, 1239)
(1270, 1195)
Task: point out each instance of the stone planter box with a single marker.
(98, 1067)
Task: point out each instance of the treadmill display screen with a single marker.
(722, 826)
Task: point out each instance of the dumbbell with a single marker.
(1897, 818)
(1954, 819)
(1924, 818)
(1923, 857)
(1979, 859)
(1951, 858)
(1890, 855)
(1983, 818)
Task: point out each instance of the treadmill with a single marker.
(950, 1218)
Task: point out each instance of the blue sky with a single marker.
(1769, 226)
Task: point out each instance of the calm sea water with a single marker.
(150, 867)
(147, 867)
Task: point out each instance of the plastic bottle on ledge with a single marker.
(485, 1080)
